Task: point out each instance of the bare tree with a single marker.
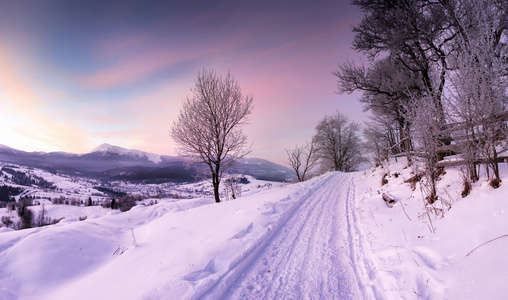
(232, 187)
(42, 218)
(338, 143)
(209, 128)
(388, 90)
(302, 159)
(417, 34)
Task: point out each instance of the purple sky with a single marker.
(75, 74)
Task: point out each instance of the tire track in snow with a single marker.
(363, 268)
(308, 257)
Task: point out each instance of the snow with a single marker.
(413, 261)
(309, 242)
(107, 148)
(332, 237)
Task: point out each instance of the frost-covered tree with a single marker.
(338, 143)
(381, 138)
(478, 89)
(209, 127)
(426, 50)
(425, 123)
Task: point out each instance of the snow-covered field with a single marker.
(331, 237)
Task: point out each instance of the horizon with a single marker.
(82, 74)
(96, 149)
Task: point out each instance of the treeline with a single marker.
(123, 203)
(435, 82)
(27, 180)
(7, 191)
(110, 192)
(27, 218)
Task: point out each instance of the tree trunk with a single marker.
(216, 182)
(495, 165)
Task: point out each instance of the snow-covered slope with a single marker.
(332, 237)
(184, 247)
(429, 251)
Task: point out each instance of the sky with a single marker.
(76, 74)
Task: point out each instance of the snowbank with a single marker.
(413, 261)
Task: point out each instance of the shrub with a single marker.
(55, 221)
(440, 172)
(384, 180)
(126, 203)
(6, 220)
(62, 200)
(26, 220)
(413, 180)
(467, 188)
(243, 180)
(495, 183)
(431, 198)
(21, 206)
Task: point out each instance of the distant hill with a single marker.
(108, 162)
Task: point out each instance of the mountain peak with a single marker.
(108, 148)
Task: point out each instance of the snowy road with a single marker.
(313, 255)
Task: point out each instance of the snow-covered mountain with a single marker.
(109, 162)
(106, 149)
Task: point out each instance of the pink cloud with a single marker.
(141, 61)
(133, 69)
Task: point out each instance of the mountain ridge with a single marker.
(108, 162)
